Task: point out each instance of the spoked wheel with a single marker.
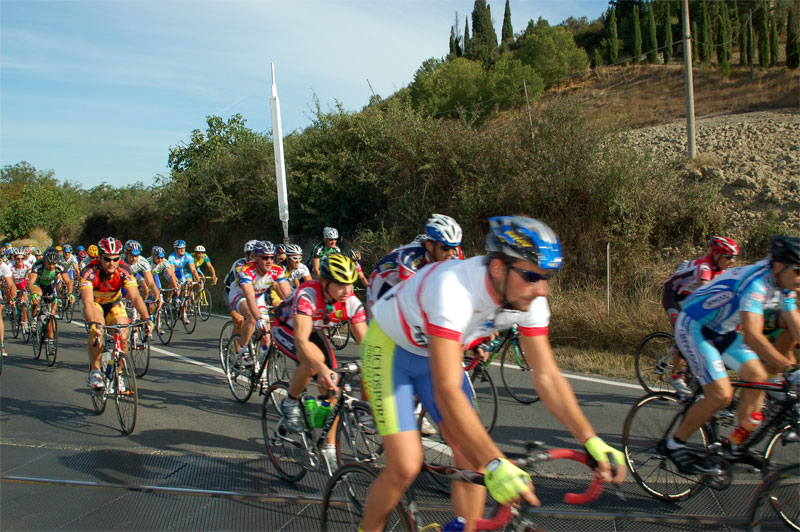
(775, 505)
(651, 421)
(25, 330)
(286, 449)
(127, 397)
(224, 337)
(15, 323)
(653, 362)
(279, 366)
(189, 315)
(516, 374)
(435, 448)
(204, 304)
(69, 312)
(37, 338)
(782, 450)
(485, 395)
(339, 334)
(345, 496)
(50, 345)
(140, 351)
(357, 438)
(164, 324)
(99, 399)
(238, 371)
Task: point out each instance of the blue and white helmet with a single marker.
(158, 251)
(525, 238)
(133, 247)
(331, 233)
(250, 245)
(263, 247)
(443, 229)
(420, 237)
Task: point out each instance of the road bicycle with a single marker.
(775, 505)
(17, 309)
(119, 378)
(44, 330)
(202, 296)
(654, 418)
(339, 334)
(258, 366)
(653, 363)
(224, 337)
(346, 493)
(295, 453)
(162, 319)
(187, 312)
(514, 370)
(138, 342)
(66, 307)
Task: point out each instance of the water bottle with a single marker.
(110, 368)
(311, 411)
(323, 412)
(456, 524)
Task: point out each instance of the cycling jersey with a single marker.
(452, 299)
(5, 271)
(690, 275)
(182, 270)
(139, 266)
(20, 275)
(395, 267)
(70, 263)
(309, 300)
(298, 273)
(231, 277)
(44, 277)
(107, 288)
(30, 260)
(200, 262)
(320, 251)
(248, 274)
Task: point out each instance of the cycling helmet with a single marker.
(57, 248)
(67, 248)
(179, 244)
(81, 248)
(293, 249)
(443, 229)
(355, 255)
(262, 247)
(51, 255)
(92, 251)
(723, 245)
(250, 245)
(133, 247)
(338, 268)
(785, 249)
(17, 251)
(109, 246)
(158, 251)
(330, 232)
(199, 249)
(281, 248)
(524, 238)
(420, 238)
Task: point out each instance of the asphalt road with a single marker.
(65, 467)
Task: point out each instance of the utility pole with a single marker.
(687, 63)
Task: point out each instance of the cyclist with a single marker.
(91, 254)
(707, 333)
(70, 262)
(81, 252)
(414, 346)
(160, 265)
(43, 280)
(280, 258)
(686, 279)
(201, 258)
(19, 274)
(184, 268)
(328, 245)
(442, 236)
(101, 285)
(297, 330)
(248, 294)
(296, 272)
(30, 256)
(237, 318)
(355, 255)
(141, 269)
(10, 291)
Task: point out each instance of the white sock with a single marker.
(672, 444)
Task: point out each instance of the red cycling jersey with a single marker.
(107, 288)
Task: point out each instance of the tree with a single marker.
(467, 51)
(507, 34)
(637, 35)
(763, 37)
(551, 52)
(652, 41)
(707, 46)
(611, 36)
(724, 38)
(452, 52)
(484, 38)
(792, 41)
(597, 58)
(774, 46)
(695, 47)
(744, 41)
(667, 36)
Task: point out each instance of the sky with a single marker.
(98, 91)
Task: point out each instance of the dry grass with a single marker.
(38, 238)
(607, 363)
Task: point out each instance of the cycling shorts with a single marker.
(283, 335)
(708, 353)
(112, 312)
(237, 299)
(392, 377)
(672, 302)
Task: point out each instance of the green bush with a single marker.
(552, 53)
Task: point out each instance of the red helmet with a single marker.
(110, 246)
(724, 245)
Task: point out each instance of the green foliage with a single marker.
(467, 41)
(744, 42)
(611, 36)
(695, 47)
(724, 38)
(792, 40)
(707, 46)
(637, 35)
(763, 38)
(484, 38)
(597, 58)
(551, 52)
(507, 33)
(667, 42)
(652, 41)
(774, 46)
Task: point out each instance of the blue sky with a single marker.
(98, 91)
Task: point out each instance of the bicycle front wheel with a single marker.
(69, 312)
(648, 426)
(782, 449)
(25, 329)
(516, 374)
(286, 449)
(339, 335)
(37, 337)
(224, 337)
(653, 362)
(238, 371)
(776, 503)
(189, 315)
(345, 496)
(50, 345)
(357, 438)
(127, 396)
(15, 322)
(164, 324)
(485, 395)
(204, 304)
(279, 366)
(140, 351)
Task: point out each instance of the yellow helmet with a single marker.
(92, 251)
(58, 248)
(338, 268)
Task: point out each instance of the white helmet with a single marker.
(199, 249)
(250, 246)
(420, 237)
(330, 232)
(443, 229)
(293, 249)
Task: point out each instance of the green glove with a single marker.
(600, 451)
(505, 481)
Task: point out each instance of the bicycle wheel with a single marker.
(164, 324)
(15, 322)
(648, 425)
(782, 449)
(286, 449)
(239, 376)
(224, 336)
(70, 312)
(344, 498)
(279, 366)
(357, 438)
(98, 396)
(127, 400)
(515, 373)
(653, 362)
(204, 303)
(775, 505)
(139, 351)
(189, 315)
(485, 395)
(26, 330)
(339, 334)
(37, 337)
(50, 345)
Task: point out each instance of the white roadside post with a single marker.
(280, 167)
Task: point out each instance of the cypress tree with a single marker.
(695, 48)
(735, 25)
(452, 52)
(763, 39)
(611, 35)
(723, 37)
(652, 42)
(597, 58)
(774, 46)
(744, 41)
(667, 36)
(484, 38)
(792, 41)
(707, 46)
(507, 34)
(637, 35)
(467, 51)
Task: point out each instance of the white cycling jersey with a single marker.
(452, 299)
(5, 270)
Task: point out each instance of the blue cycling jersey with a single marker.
(181, 264)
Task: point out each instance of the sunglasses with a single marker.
(796, 269)
(296, 257)
(446, 248)
(110, 259)
(529, 276)
(267, 257)
(729, 257)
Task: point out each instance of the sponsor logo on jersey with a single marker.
(718, 300)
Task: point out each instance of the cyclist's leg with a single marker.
(249, 323)
(743, 360)
(115, 314)
(37, 291)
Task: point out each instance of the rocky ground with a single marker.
(754, 156)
